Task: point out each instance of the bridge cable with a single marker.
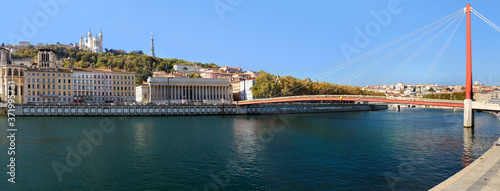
(415, 54)
(443, 49)
(409, 59)
(486, 20)
(377, 62)
(342, 66)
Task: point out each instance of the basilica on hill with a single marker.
(91, 43)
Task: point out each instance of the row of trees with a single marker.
(452, 96)
(269, 85)
(117, 59)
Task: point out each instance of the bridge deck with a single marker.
(482, 174)
(355, 98)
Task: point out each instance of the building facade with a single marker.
(123, 85)
(189, 90)
(245, 89)
(142, 93)
(48, 85)
(103, 87)
(11, 71)
(83, 85)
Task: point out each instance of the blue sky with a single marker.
(298, 38)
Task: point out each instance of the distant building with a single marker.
(487, 96)
(90, 43)
(230, 69)
(212, 75)
(24, 44)
(186, 68)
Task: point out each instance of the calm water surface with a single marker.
(414, 149)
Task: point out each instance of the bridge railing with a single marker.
(359, 96)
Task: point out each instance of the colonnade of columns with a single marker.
(189, 92)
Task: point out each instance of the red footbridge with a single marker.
(358, 98)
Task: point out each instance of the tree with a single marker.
(194, 75)
(269, 85)
(3, 44)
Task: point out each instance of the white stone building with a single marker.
(245, 91)
(187, 90)
(91, 43)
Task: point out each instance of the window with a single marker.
(29, 79)
(43, 74)
(38, 80)
(69, 81)
(64, 87)
(37, 74)
(59, 87)
(53, 74)
(59, 80)
(54, 81)
(43, 80)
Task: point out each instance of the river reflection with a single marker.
(468, 140)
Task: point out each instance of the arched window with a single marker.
(22, 73)
(16, 73)
(9, 72)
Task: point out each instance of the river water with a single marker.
(414, 149)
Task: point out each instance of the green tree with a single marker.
(194, 75)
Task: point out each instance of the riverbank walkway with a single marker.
(483, 174)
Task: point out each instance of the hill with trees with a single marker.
(117, 59)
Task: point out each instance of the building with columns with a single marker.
(187, 90)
